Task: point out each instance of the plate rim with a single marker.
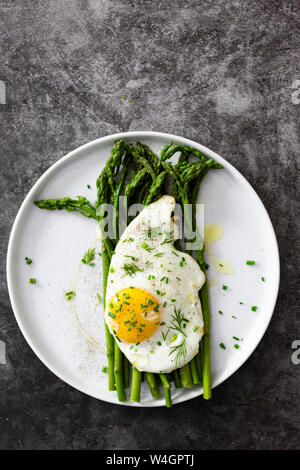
(134, 135)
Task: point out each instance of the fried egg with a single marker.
(153, 308)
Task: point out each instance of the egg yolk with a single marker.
(134, 314)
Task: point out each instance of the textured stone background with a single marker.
(220, 72)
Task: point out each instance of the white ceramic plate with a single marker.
(70, 340)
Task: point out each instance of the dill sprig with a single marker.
(89, 256)
(180, 352)
(178, 321)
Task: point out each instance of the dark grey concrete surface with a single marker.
(220, 72)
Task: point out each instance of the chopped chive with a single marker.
(112, 315)
(32, 280)
(220, 312)
(195, 329)
(254, 308)
(173, 300)
(100, 298)
(233, 316)
(237, 346)
(224, 287)
(159, 255)
(164, 304)
(89, 187)
(111, 270)
(221, 265)
(104, 369)
(178, 278)
(250, 263)
(28, 260)
(241, 303)
(69, 295)
(158, 343)
(263, 279)
(174, 253)
(236, 338)
(222, 345)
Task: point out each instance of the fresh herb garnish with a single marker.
(89, 256)
(32, 280)
(168, 238)
(131, 268)
(69, 295)
(28, 260)
(177, 320)
(146, 247)
(222, 345)
(254, 308)
(180, 351)
(152, 232)
(131, 257)
(250, 263)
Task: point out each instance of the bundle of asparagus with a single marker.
(137, 173)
